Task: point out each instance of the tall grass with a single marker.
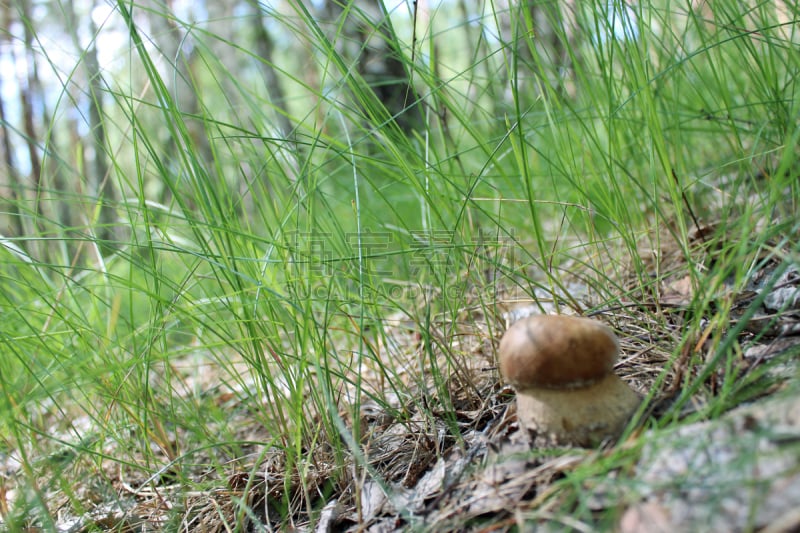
(273, 265)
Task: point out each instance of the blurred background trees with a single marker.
(72, 84)
(275, 77)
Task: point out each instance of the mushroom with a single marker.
(562, 369)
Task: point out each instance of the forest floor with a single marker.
(474, 469)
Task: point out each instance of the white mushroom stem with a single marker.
(583, 416)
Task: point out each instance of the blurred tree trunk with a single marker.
(554, 25)
(11, 188)
(32, 103)
(102, 186)
(179, 55)
(30, 91)
(289, 150)
(264, 46)
(91, 151)
(481, 54)
(552, 36)
(368, 37)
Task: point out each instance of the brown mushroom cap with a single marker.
(557, 352)
(563, 371)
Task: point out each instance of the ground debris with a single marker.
(450, 455)
(738, 473)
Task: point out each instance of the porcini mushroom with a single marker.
(562, 368)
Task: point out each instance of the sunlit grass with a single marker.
(275, 265)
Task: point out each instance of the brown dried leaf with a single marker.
(646, 517)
